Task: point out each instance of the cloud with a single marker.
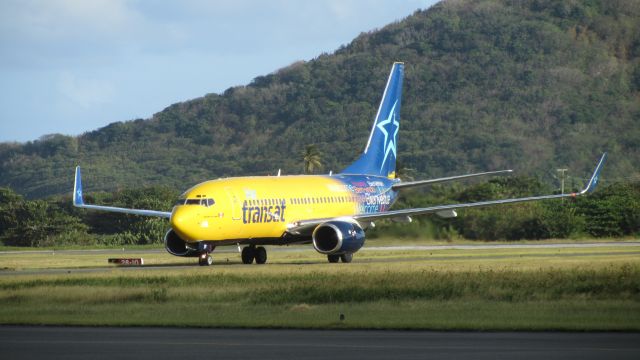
(84, 92)
(60, 33)
(57, 20)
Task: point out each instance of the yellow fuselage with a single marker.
(261, 207)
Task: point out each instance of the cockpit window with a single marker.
(203, 201)
(198, 201)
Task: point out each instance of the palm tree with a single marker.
(312, 158)
(403, 172)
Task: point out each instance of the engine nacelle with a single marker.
(338, 237)
(176, 246)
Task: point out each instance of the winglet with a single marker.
(595, 177)
(77, 189)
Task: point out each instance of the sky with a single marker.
(71, 66)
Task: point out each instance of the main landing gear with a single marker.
(346, 258)
(251, 253)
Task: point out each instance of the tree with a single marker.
(312, 159)
(8, 199)
(39, 223)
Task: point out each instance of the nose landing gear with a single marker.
(205, 258)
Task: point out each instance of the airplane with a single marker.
(331, 211)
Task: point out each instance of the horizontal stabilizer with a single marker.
(410, 184)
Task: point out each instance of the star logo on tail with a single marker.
(389, 141)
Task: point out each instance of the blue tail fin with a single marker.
(379, 157)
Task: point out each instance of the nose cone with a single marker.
(183, 221)
(178, 217)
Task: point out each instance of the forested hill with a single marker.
(531, 85)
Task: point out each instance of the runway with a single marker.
(233, 251)
(166, 343)
(506, 246)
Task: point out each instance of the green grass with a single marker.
(585, 289)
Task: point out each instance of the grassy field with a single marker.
(583, 289)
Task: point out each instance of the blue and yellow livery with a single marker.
(330, 211)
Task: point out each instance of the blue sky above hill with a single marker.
(70, 66)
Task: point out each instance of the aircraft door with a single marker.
(236, 205)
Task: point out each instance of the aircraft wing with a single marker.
(303, 227)
(78, 201)
(410, 184)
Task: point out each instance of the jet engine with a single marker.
(176, 246)
(338, 237)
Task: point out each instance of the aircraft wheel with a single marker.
(248, 254)
(333, 258)
(346, 258)
(205, 260)
(261, 255)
